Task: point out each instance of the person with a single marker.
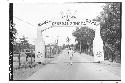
(68, 51)
(71, 52)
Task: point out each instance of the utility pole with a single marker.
(57, 44)
(19, 55)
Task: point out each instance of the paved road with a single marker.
(83, 68)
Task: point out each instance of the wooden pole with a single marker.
(19, 56)
(50, 51)
(31, 58)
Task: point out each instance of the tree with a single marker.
(24, 44)
(68, 40)
(13, 32)
(84, 36)
(111, 29)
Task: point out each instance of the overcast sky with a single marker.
(27, 16)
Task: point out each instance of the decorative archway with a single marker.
(69, 21)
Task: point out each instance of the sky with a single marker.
(26, 16)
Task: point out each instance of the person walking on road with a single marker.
(71, 54)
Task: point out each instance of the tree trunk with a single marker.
(19, 60)
(31, 60)
(80, 47)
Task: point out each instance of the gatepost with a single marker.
(39, 47)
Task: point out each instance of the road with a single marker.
(82, 68)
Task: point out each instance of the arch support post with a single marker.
(39, 47)
(98, 46)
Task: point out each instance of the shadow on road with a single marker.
(82, 62)
(75, 62)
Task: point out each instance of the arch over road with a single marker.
(69, 21)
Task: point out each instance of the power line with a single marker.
(30, 23)
(24, 21)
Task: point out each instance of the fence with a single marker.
(52, 51)
(21, 60)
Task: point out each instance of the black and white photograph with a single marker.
(69, 41)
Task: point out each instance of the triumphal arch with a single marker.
(69, 21)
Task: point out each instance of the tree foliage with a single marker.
(24, 44)
(110, 23)
(111, 28)
(85, 36)
(13, 32)
(18, 46)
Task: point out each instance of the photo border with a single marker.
(11, 45)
